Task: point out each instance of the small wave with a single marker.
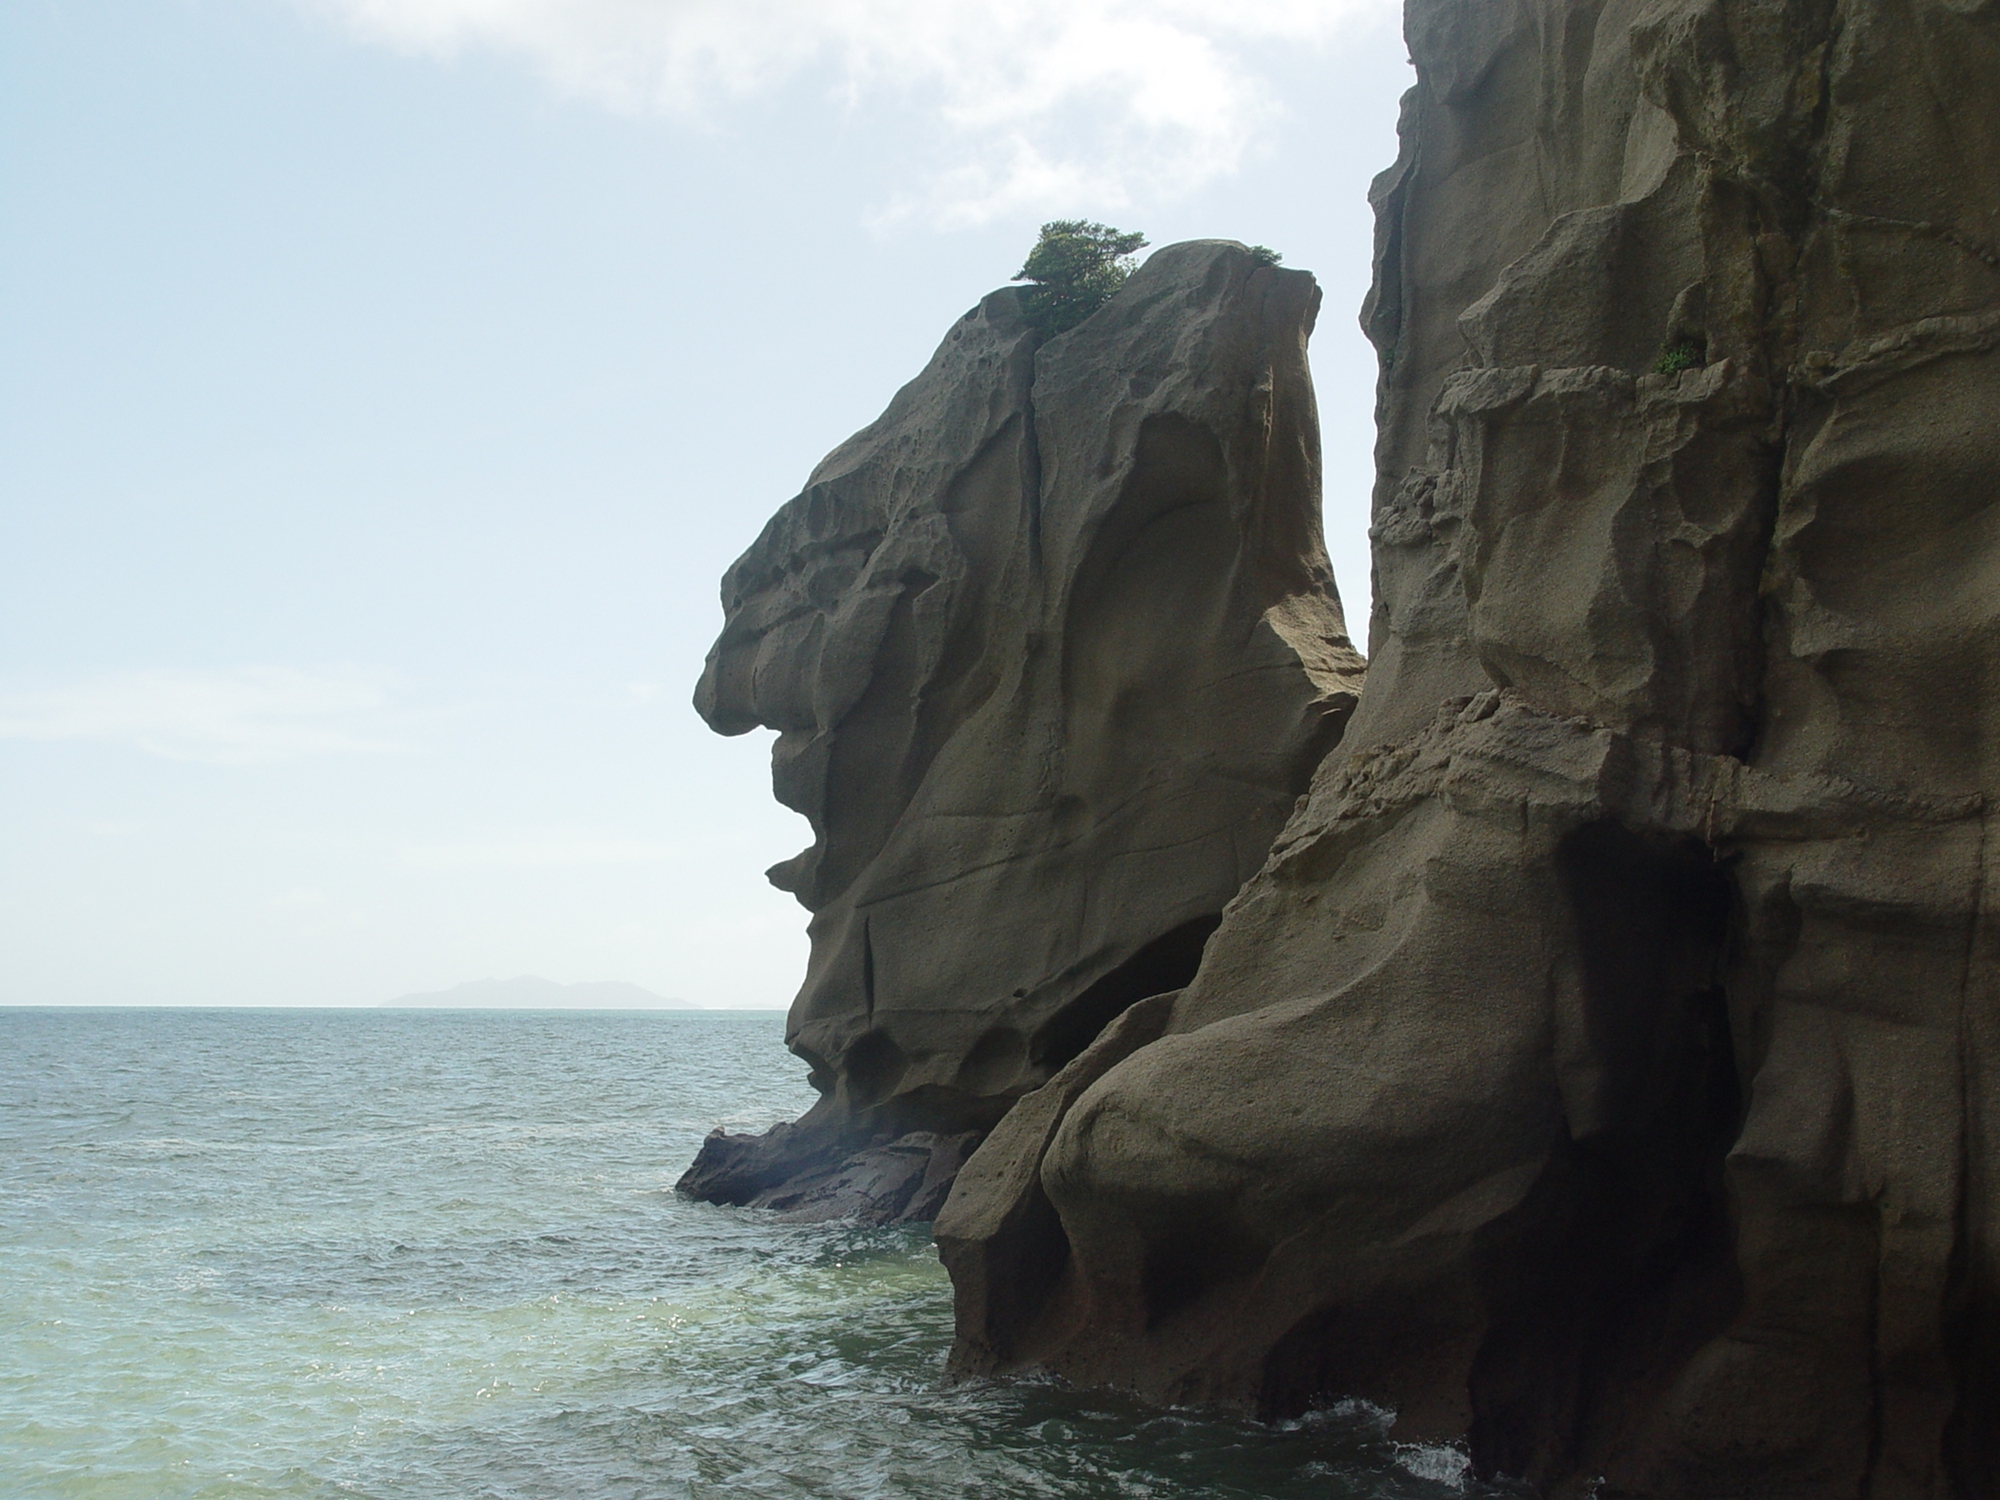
(1440, 1463)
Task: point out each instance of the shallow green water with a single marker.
(424, 1256)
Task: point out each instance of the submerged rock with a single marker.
(1052, 648)
(1604, 1068)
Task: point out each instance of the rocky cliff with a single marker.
(1604, 1067)
(1052, 648)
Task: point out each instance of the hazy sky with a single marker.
(385, 384)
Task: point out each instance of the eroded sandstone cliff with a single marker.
(1052, 648)
(1604, 1067)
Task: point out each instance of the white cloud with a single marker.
(1032, 105)
(250, 716)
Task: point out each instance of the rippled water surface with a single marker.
(437, 1255)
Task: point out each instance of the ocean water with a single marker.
(437, 1256)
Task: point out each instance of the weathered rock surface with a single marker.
(1052, 649)
(1604, 1068)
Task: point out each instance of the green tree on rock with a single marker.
(1074, 267)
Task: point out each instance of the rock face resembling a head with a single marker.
(1051, 647)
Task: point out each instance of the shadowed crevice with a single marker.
(1166, 963)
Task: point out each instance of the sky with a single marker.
(385, 384)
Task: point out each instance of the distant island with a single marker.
(530, 993)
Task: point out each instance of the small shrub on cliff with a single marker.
(1681, 354)
(1264, 255)
(1075, 267)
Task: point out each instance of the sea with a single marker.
(410, 1255)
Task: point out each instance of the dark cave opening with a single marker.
(1621, 1263)
(1168, 962)
(1203, 1249)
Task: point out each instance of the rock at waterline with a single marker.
(1604, 1070)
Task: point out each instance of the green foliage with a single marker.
(1681, 354)
(1264, 255)
(1075, 267)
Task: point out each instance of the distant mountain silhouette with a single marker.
(530, 993)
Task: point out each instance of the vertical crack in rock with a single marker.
(1973, 1310)
(1052, 648)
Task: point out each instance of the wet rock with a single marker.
(740, 1169)
(1052, 648)
(1604, 1067)
(900, 1181)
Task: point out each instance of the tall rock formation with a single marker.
(1604, 1067)
(1052, 648)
